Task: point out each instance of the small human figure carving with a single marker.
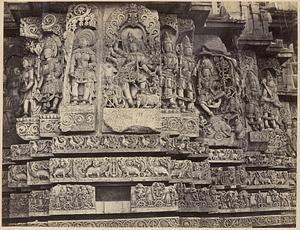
(27, 86)
(50, 83)
(169, 72)
(270, 102)
(187, 69)
(82, 69)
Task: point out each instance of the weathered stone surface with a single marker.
(155, 198)
(77, 118)
(19, 205)
(20, 152)
(28, 128)
(38, 172)
(41, 148)
(180, 123)
(72, 199)
(49, 125)
(223, 155)
(5, 207)
(131, 120)
(112, 169)
(39, 203)
(17, 176)
(106, 143)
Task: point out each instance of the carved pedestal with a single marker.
(49, 125)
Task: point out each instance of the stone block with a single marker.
(28, 128)
(49, 125)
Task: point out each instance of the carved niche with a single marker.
(219, 95)
(109, 169)
(72, 199)
(131, 70)
(77, 112)
(38, 172)
(39, 203)
(19, 205)
(17, 176)
(157, 197)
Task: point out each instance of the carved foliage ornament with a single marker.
(55, 23)
(80, 14)
(31, 27)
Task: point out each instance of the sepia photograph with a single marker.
(149, 114)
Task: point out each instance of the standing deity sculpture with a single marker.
(253, 95)
(270, 102)
(187, 70)
(27, 86)
(82, 69)
(135, 73)
(50, 84)
(169, 72)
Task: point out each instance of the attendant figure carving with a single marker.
(270, 102)
(82, 70)
(169, 72)
(51, 72)
(187, 70)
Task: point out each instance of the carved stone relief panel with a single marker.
(17, 176)
(20, 152)
(39, 203)
(131, 70)
(19, 205)
(106, 143)
(226, 155)
(49, 125)
(160, 222)
(28, 128)
(72, 199)
(41, 148)
(77, 112)
(38, 172)
(109, 169)
(157, 197)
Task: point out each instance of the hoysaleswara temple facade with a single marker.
(150, 114)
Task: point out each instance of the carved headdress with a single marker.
(207, 64)
(51, 43)
(186, 42)
(166, 40)
(88, 35)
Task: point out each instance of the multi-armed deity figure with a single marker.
(270, 102)
(210, 97)
(187, 70)
(135, 72)
(169, 72)
(50, 83)
(27, 86)
(82, 67)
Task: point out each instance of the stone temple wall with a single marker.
(149, 115)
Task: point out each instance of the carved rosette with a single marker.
(110, 169)
(28, 128)
(38, 172)
(157, 197)
(49, 125)
(31, 27)
(106, 143)
(41, 148)
(160, 222)
(19, 205)
(72, 199)
(17, 176)
(20, 152)
(55, 23)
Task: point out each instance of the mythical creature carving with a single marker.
(38, 172)
(17, 176)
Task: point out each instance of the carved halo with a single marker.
(88, 34)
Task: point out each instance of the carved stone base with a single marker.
(180, 123)
(131, 120)
(28, 128)
(49, 125)
(77, 118)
